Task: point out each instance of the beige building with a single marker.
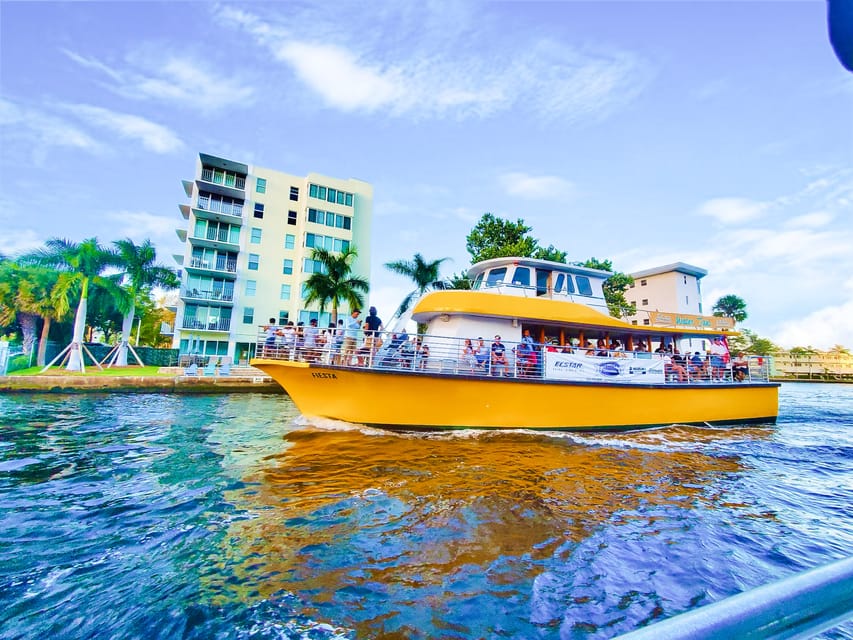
(672, 288)
(248, 240)
(813, 365)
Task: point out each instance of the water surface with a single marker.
(230, 516)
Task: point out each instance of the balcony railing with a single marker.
(220, 264)
(216, 235)
(219, 296)
(223, 324)
(217, 205)
(226, 178)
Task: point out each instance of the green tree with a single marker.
(749, 342)
(141, 274)
(27, 295)
(424, 274)
(551, 253)
(730, 306)
(335, 283)
(614, 288)
(494, 237)
(82, 265)
(459, 281)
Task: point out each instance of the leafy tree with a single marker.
(749, 342)
(614, 288)
(141, 274)
(552, 254)
(839, 350)
(424, 274)
(459, 281)
(730, 306)
(494, 237)
(26, 296)
(336, 282)
(82, 264)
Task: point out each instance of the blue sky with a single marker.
(718, 134)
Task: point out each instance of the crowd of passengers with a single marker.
(356, 342)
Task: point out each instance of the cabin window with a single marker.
(521, 277)
(570, 284)
(496, 277)
(559, 282)
(643, 283)
(584, 287)
(542, 282)
(478, 281)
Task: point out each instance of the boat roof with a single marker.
(485, 265)
(485, 304)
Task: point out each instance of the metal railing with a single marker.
(222, 296)
(223, 324)
(801, 606)
(490, 358)
(220, 205)
(221, 264)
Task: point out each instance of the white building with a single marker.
(672, 288)
(248, 241)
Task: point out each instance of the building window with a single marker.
(294, 193)
(312, 266)
(646, 321)
(633, 322)
(330, 195)
(287, 267)
(291, 217)
(251, 287)
(256, 236)
(261, 185)
(686, 299)
(631, 286)
(304, 290)
(644, 302)
(328, 243)
(289, 241)
(254, 260)
(249, 315)
(643, 283)
(285, 292)
(283, 316)
(685, 279)
(259, 210)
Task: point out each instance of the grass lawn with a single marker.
(94, 371)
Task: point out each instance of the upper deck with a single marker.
(529, 277)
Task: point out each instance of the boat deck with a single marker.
(441, 355)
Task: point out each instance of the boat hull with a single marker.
(416, 400)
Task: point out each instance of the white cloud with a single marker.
(822, 329)
(139, 225)
(150, 75)
(153, 137)
(732, 210)
(524, 185)
(454, 68)
(22, 240)
(810, 220)
(39, 130)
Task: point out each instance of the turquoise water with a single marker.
(230, 516)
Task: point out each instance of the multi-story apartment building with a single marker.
(672, 288)
(248, 242)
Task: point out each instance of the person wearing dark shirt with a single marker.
(499, 356)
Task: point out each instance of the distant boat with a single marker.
(561, 362)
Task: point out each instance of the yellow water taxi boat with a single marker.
(530, 346)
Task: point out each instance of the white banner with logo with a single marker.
(572, 366)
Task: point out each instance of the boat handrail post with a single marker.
(802, 605)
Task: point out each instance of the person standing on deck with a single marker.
(351, 329)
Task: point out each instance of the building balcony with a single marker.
(225, 298)
(220, 266)
(223, 182)
(219, 210)
(223, 325)
(214, 239)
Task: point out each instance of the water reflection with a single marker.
(379, 521)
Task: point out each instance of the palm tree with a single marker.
(730, 306)
(336, 282)
(34, 298)
(423, 273)
(141, 273)
(81, 266)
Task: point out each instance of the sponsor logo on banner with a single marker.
(572, 366)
